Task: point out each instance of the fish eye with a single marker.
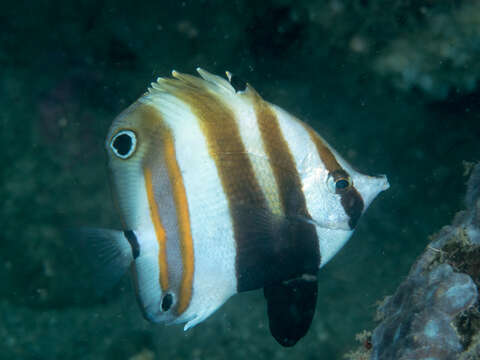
(338, 182)
(341, 184)
(124, 143)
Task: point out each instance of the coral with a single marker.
(473, 352)
(364, 351)
(417, 318)
(434, 313)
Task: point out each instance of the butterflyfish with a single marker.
(222, 192)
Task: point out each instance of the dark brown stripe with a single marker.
(351, 199)
(253, 232)
(300, 253)
(324, 152)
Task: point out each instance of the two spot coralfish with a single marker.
(221, 192)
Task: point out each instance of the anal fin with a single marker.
(291, 307)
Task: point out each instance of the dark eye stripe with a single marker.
(353, 205)
(351, 199)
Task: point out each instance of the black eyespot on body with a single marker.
(238, 83)
(167, 301)
(124, 143)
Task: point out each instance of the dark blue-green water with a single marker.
(392, 88)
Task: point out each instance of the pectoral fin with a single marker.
(291, 307)
(108, 253)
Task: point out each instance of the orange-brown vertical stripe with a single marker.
(159, 229)
(281, 160)
(183, 221)
(246, 200)
(302, 243)
(326, 155)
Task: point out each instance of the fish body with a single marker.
(221, 192)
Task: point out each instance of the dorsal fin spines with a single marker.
(206, 81)
(216, 80)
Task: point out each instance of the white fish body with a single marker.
(221, 192)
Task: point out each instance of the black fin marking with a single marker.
(132, 240)
(272, 245)
(107, 253)
(291, 307)
(237, 83)
(260, 247)
(273, 248)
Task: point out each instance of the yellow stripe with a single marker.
(183, 220)
(159, 230)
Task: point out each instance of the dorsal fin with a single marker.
(180, 81)
(207, 82)
(217, 80)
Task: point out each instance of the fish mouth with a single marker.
(382, 181)
(370, 186)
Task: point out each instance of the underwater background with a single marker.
(391, 85)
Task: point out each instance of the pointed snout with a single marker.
(370, 186)
(382, 182)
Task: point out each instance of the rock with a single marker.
(434, 312)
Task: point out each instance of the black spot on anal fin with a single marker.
(291, 307)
